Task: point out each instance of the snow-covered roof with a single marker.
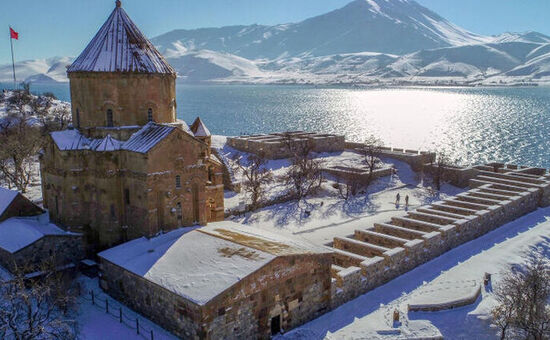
(6, 197)
(199, 129)
(141, 141)
(146, 138)
(17, 233)
(201, 264)
(119, 46)
(274, 243)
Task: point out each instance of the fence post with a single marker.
(152, 336)
(120, 314)
(137, 326)
(107, 306)
(93, 297)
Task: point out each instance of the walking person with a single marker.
(407, 202)
(397, 199)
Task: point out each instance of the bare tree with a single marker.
(36, 307)
(439, 169)
(305, 172)
(21, 142)
(22, 134)
(371, 150)
(256, 177)
(523, 295)
(51, 117)
(348, 185)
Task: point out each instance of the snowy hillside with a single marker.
(394, 27)
(204, 65)
(38, 70)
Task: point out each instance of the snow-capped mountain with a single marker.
(385, 26)
(366, 41)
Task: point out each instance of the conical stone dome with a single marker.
(119, 46)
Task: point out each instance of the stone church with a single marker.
(128, 167)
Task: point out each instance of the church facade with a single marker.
(128, 167)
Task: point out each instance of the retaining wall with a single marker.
(387, 250)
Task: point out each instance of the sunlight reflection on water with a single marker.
(470, 124)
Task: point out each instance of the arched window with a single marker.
(110, 118)
(77, 118)
(150, 115)
(178, 181)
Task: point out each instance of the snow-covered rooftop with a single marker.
(17, 233)
(119, 46)
(141, 141)
(6, 197)
(201, 264)
(199, 129)
(146, 138)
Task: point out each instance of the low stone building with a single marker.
(26, 243)
(128, 168)
(13, 204)
(221, 281)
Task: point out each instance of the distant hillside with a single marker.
(38, 70)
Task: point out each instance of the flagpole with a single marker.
(13, 62)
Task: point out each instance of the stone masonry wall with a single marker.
(63, 249)
(490, 207)
(297, 288)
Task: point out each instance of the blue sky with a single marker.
(63, 27)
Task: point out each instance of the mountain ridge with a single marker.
(381, 41)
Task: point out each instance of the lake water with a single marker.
(472, 125)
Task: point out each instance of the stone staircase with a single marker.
(376, 254)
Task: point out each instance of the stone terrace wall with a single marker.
(416, 159)
(377, 254)
(276, 145)
(359, 174)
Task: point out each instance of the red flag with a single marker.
(13, 34)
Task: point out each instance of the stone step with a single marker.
(513, 177)
(428, 210)
(384, 240)
(467, 197)
(476, 183)
(393, 230)
(335, 269)
(499, 191)
(411, 223)
(358, 247)
(489, 195)
(522, 174)
(463, 204)
(346, 259)
(432, 218)
(506, 181)
(454, 209)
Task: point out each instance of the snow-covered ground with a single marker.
(456, 275)
(370, 315)
(95, 324)
(325, 215)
